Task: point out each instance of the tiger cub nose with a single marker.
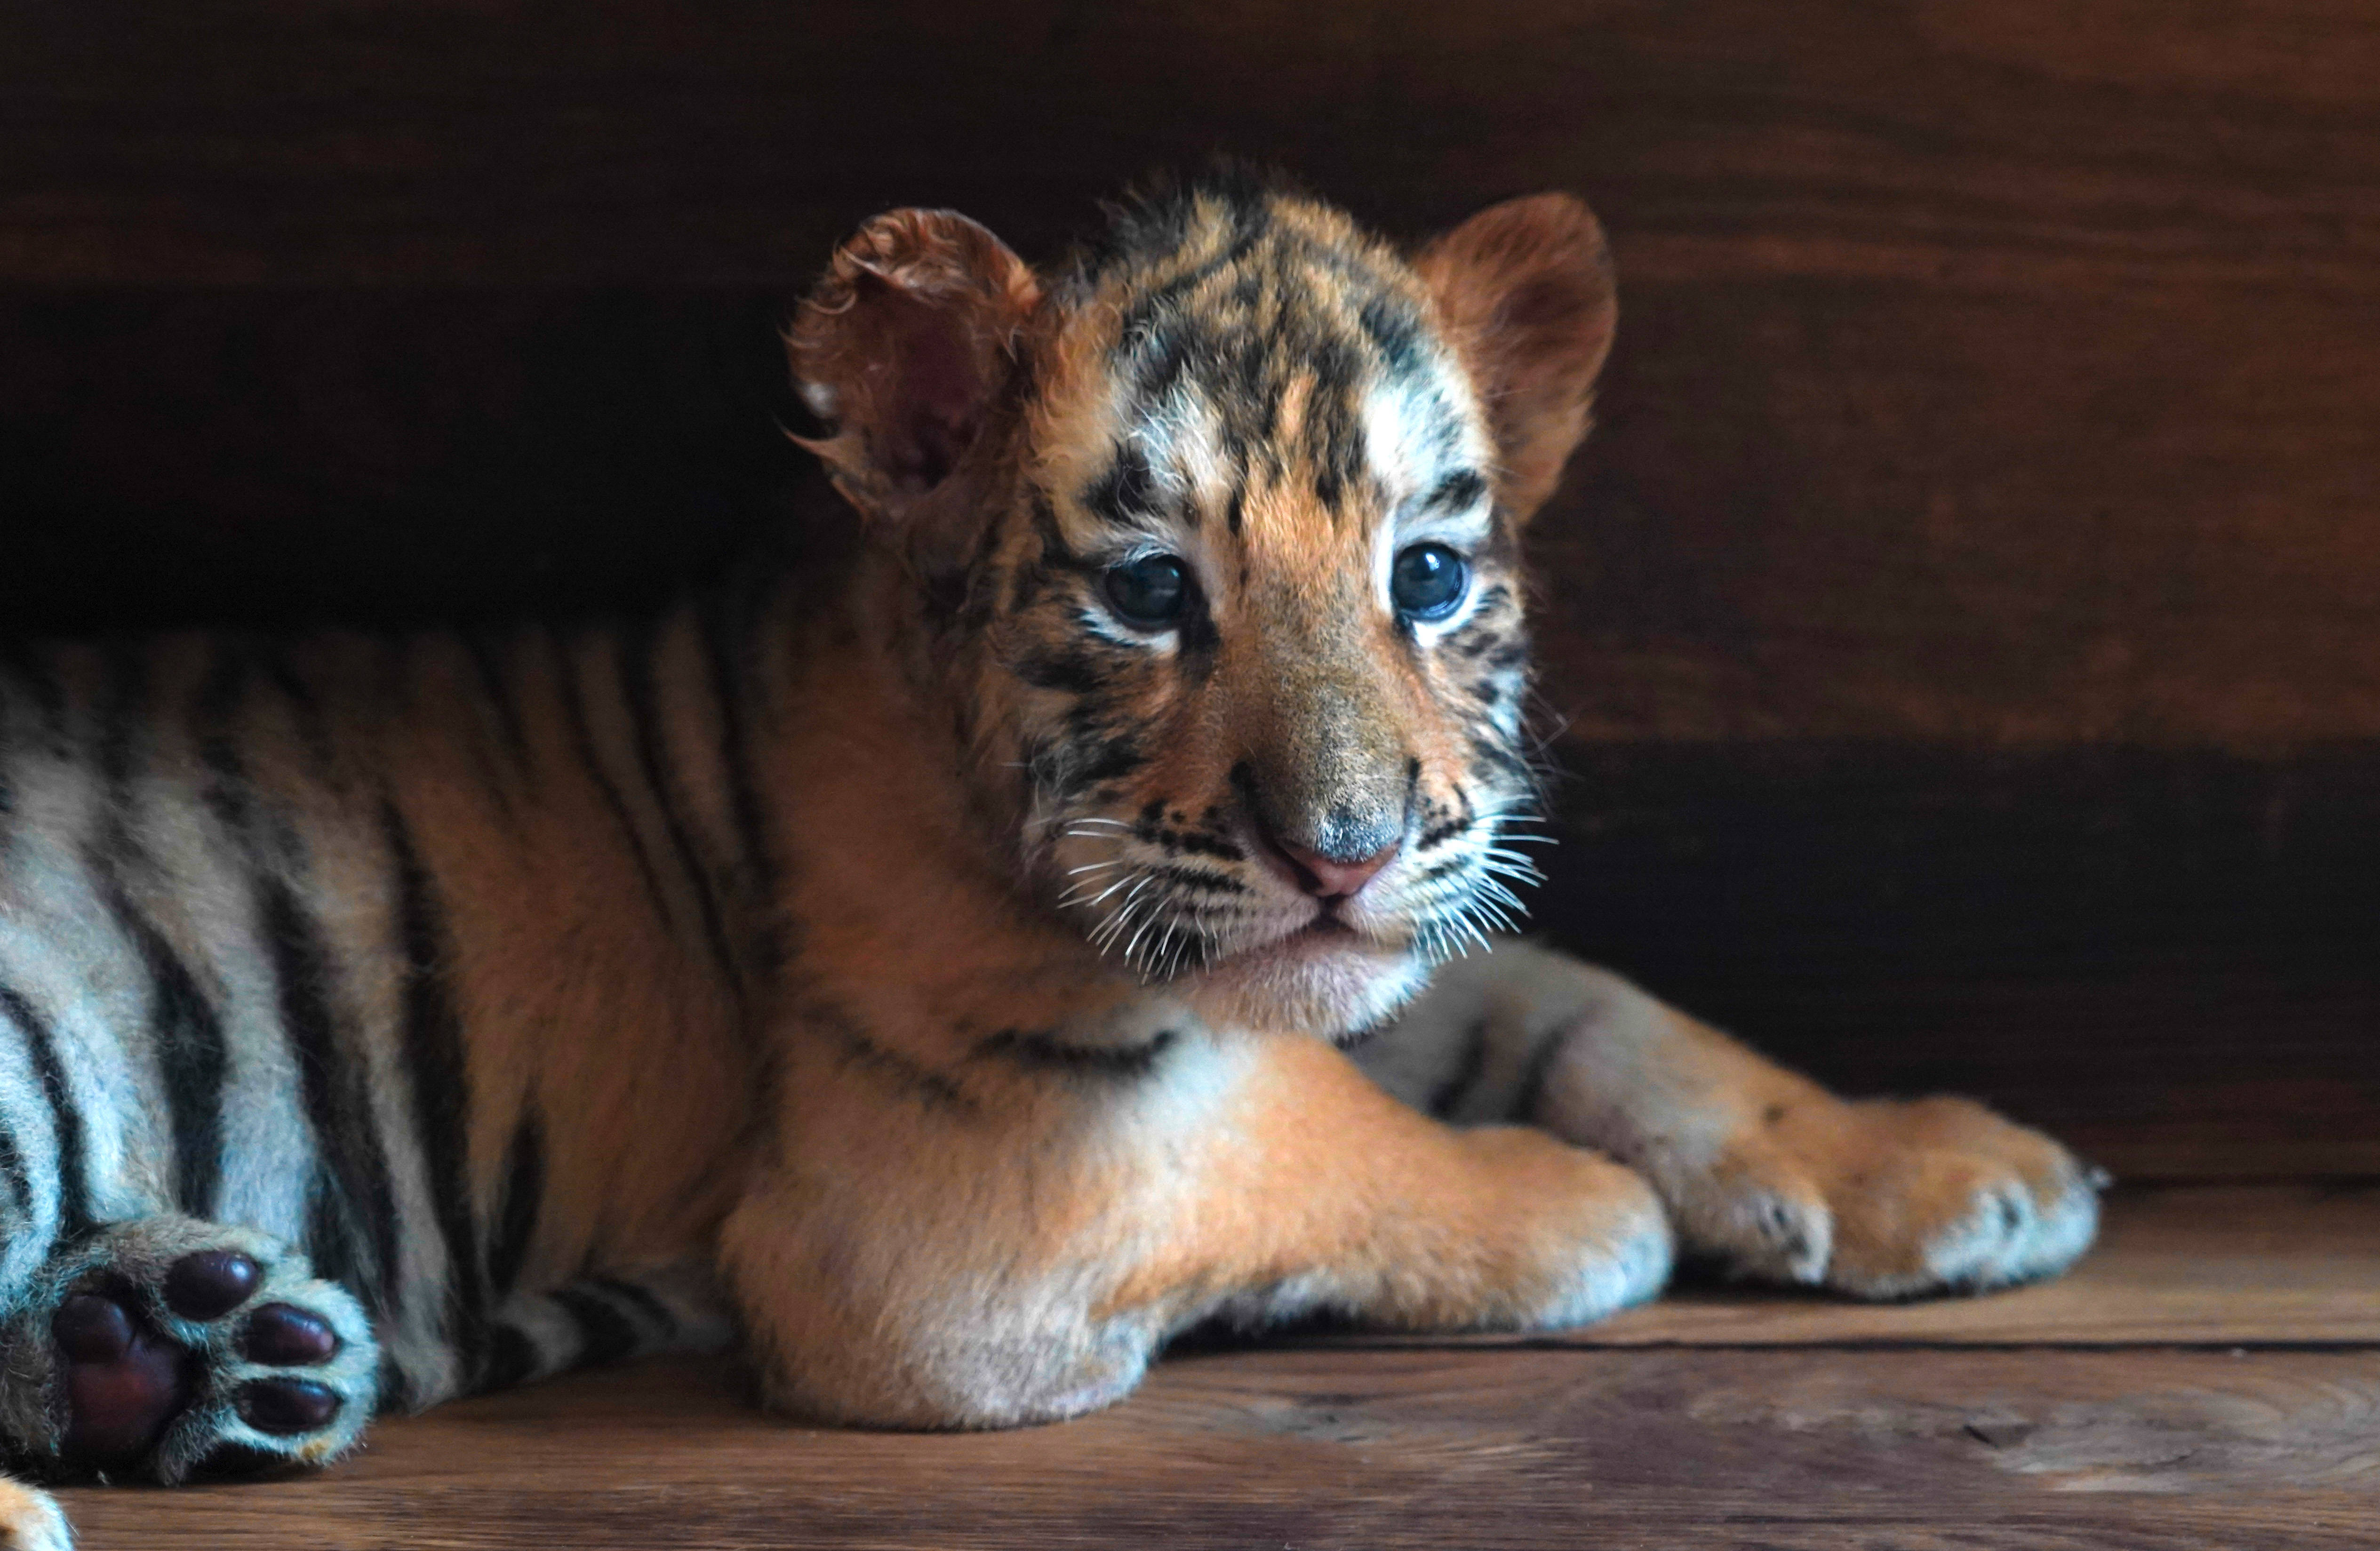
(1327, 877)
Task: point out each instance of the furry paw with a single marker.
(166, 1344)
(1586, 1236)
(30, 1519)
(1628, 1247)
(1889, 1199)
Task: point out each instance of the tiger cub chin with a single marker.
(931, 962)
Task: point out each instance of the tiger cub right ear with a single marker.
(904, 347)
(1525, 288)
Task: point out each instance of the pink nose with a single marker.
(1327, 879)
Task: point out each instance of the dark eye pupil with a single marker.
(1149, 590)
(1429, 580)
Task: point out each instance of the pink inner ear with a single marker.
(935, 402)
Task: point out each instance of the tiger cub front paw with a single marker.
(158, 1346)
(1889, 1198)
(1577, 1238)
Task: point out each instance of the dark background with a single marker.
(1962, 636)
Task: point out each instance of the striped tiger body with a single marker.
(376, 946)
(933, 958)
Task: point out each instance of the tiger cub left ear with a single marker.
(1526, 290)
(904, 346)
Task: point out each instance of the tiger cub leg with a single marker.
(152, 1347)
(1011, 1241)
(628, 1313)
(1761, 1169)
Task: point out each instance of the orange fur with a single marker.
(942, 1231)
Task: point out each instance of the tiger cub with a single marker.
(957, 964)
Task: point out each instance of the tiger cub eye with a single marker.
(1152, 590)
(1428, 581)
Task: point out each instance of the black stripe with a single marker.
(639, 691)
(1448, 1096)
(74, 1180)
(396, 1388)
(127, 690)
(1533, 1076)
(305, 710)
(861, 1050)
(500, 752)
(642, 1299)
(34, 671)
(335, 1240)
(1042, 1052)
(217, 711)
(192, 1054)
(1249, 229)
(724, 654)
(513, 1358)
(21, 1179)
(605, 1334)
(1396, 332)
(1458, 491)
(497, 689)
(524, 1197)
(1193, 880)
(442, 1085)
(1074, 668)
(582, 739)
(1126, 492)
(352, 1229)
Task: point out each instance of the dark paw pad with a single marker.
(123, 1382)
(288, 1338)
(209, 1284)
(174, 1346)
(283, 1406)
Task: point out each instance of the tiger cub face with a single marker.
(1216, 539)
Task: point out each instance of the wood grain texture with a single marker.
(1999, 1432)
(1916, 1451)
(2165, 957)
(1960, 635)
(1988, 374)
(489, 143)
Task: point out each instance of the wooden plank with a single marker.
(2165, 958)
(2080, 144)
(1963, 620)
(1987, 378)
(1754, 1427)
(1993, 379)
(1984, 1451)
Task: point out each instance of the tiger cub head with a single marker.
(1213, 535)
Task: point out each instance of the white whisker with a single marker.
(1114, 925)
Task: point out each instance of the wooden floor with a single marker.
(2211, 1377)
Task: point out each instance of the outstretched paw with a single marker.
(1892, 1199)
(168, 1344)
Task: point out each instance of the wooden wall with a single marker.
(1964, 631)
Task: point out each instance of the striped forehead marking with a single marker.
(1271, 344)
